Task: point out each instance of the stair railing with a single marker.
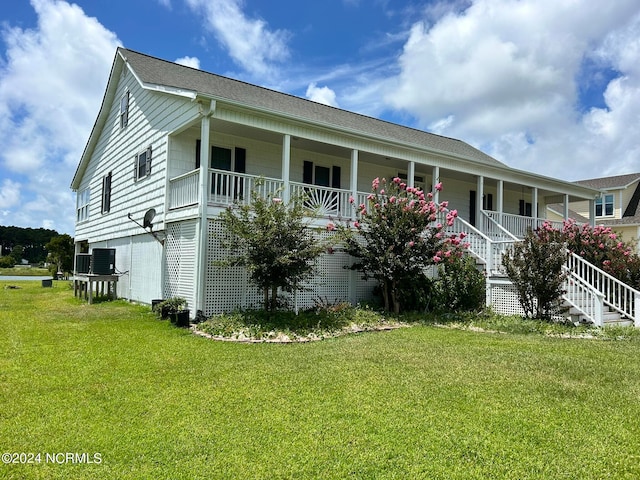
(617, 295)
(585, 298)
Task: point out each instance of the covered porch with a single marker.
(217, 163)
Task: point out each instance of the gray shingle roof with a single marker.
(155, 71)
(608, 183)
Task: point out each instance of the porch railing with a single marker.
(324, 200)
(494, 230)
(228, 188)
(517, 224)
(183, 190)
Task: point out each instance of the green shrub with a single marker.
(273, 241)
(6, 262)
(460, 286)
(534, 265)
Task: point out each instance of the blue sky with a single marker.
(548, 86)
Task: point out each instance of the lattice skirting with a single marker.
(229, 288)
(504, 298)
(180, 261)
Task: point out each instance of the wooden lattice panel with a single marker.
(180, 264)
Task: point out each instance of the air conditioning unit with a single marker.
(103, 261)
(83, 263)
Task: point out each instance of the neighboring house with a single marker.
(189, 143)
(618, 207)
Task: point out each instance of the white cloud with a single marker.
(502, 75)
(9, 194)
(192, 62)
(51, 86)
(322, 95)
(249, 41)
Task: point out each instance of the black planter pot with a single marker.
(181, 318)
(165, 311)
(154, 304)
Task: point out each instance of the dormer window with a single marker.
(124, 110)
(604, 206)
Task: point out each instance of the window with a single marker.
(106, 193)
(82, 205)
(124, 110)
(418, 180)
(142, 167)
(321, 176)
(604, 206)
(525, 209)
(229, 160)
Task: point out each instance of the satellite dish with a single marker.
(148, 218)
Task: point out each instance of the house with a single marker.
(184, 144)
(618, 207)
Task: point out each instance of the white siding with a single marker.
(139, 266)
(151, 116)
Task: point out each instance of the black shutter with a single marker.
(135, 168)
(307, 172)
(335, 180)
(521, 208)
(198, 146)
(241, 160)
(148, 169)
(472, 207)
(105, 201)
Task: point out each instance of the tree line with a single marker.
(36, 245)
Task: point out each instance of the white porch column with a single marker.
(565, 212)
(203, 189)
(411, 174)
(479, 198)
(435, 179)
(592, 212)
(286, 167)
(353, 175)
(534, 205)
(500, 199)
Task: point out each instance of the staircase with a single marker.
(591, 294)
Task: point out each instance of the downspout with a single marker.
(203, 187)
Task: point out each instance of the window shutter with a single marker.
(135, 168)
(148, 169)
(240, 160)
(335, 180)
(307, 172)
(198, 146)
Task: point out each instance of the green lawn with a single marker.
(423, 402)
(23, 272)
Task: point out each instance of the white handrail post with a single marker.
(489, 248)
(599, 311)
(636, 309)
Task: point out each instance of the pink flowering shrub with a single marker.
(399, 232)
(598, 245)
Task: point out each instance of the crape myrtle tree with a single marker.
(398, 232)
(273, 241)
(534, 265)
(600, 246)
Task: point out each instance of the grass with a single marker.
(24, 272)
(421, 402)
